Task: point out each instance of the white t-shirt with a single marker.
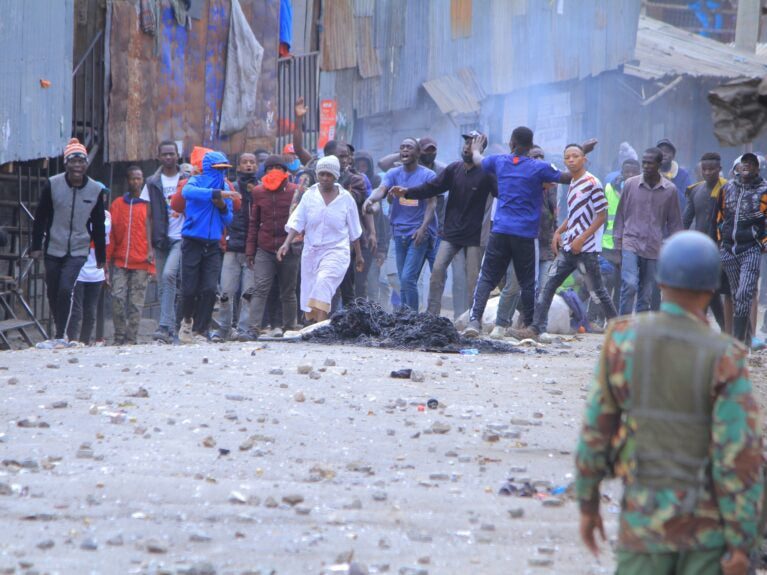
(89, 273)
(175, 220)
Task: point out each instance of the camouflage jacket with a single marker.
(653, 521)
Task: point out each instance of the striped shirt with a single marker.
(585, 199)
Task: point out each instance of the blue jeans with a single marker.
(168, 264)
(637, 280)
(410, 260)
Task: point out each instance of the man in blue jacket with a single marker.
(208, 211)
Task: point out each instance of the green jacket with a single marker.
(658, 520)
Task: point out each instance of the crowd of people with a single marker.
(295, 236)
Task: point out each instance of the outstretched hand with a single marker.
(591, 522)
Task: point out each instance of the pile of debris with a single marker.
(366, 323)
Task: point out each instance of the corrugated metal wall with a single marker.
(36, 38)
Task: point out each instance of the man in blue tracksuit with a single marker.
(208, 210)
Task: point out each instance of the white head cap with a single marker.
(330, 165)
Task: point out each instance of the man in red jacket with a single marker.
(270, 209)
(130, 252)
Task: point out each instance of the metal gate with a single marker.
(298, 76)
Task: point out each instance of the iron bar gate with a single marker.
(298, 76)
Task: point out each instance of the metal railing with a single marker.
(298, 76)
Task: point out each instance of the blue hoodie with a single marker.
(203, 219)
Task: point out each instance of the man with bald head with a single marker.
(413, 224)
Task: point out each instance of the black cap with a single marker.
(275, 161)
(666, 142)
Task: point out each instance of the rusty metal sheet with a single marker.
(338, 36)
(460, 18)
(176, 93)
(367, 57)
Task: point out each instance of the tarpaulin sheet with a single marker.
(243, 68)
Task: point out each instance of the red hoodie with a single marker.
(128, 243)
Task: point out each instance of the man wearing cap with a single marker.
(328, 216)
(470, 191)
(266, 233)
(672, 413)
(208, 211)
(291, 159)
(414, 227)
(68, 217)
(673, 172)
(741, 216)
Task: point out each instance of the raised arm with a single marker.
(298, 131)
(388, 162)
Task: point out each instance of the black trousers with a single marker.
(501, 250)
(83, 316)
(200, 267)
(60, 277)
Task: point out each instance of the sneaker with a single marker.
(199, 338)
(276, 332)
(216, 337)
(162, 335)
(499, 332)
(185, 332)
(525, 333)
(245, 336)
(594, 328)
(473, 329)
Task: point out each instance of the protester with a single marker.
(208, 209)
(648, 211)
(88, 290)
(327, 215)
(741, 224)
(700, 215)
(671, 412)
(292, 161)
(413, 225)
(166, 235)
(70, 214)
(236, 275)
(469, 191)
(516, 221)
(509, 298)
(578, 236)
(673, 172)
(132, 257)
(269, 214)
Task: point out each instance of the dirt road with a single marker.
(225, 459)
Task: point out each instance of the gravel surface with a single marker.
(291, 459)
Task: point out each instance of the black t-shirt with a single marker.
(468, 190)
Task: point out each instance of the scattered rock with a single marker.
(59, 405)
(235, 397)
(52, 366)
(314, 375)
(85, 451)
(89, 544)
(419, 536)
(380, 496)
(490, 436)
(203, 568)
(276, 371)
(516, 513)
(115, 541)
(155, 546)
(303, 510)
(355, 504)
(209, 442)
(73, 360)
(540, 562)
(299, 397)
(547, 550)
(329, 362)
(140, 392)
(293, 499)
(13, 381)
(5, 489)
(304, 368)
(440, 427)
(199, 537)
(553, 502)
(271, 502)
(417, 376)
(237, 497)
(46, 544)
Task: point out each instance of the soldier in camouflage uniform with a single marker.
(671, 412)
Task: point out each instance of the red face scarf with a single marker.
(273, 179)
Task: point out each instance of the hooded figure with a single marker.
(204, 220)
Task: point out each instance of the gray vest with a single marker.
(72, 207)
(674, 366)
